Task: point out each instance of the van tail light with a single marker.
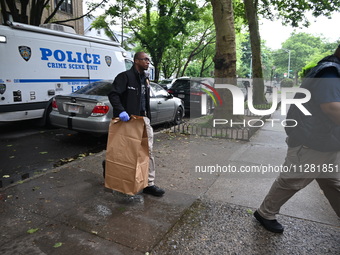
(99, 110)
(54, 105)
(170, 91)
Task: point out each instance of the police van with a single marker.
(39, 63)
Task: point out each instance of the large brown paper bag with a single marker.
(127, 156)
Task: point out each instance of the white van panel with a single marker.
(35, 66)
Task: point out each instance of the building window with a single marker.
(66, 6)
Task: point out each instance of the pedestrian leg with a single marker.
(152, 171)
(331, 189)
(280, 192)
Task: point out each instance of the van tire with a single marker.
(45, 122)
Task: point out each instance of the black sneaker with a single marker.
(154, 190)
(271, 225)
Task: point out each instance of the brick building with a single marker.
(68, 10)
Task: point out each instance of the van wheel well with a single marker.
(45, 120)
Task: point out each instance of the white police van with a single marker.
(38, 63)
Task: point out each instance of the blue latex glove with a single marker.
(124, 116)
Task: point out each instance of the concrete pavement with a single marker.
(68, 211)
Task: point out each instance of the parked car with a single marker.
(166, 83)
(190, 90)
(89, 110)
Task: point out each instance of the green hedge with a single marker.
(287, 83)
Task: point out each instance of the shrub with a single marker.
(287, 83)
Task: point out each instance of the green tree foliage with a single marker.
(327, 49)
(171, 61)
(291, 12)
(313, 61)
(155, 24)
(267, 62)
(305, 49)
(287, 83)
(244, 59)
(193, 50)
(192, 54)
(203, 65)
(302, 46)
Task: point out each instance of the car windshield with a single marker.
(99, 88)
(158, 90)
(186, 85)
(164, 82)
(181, 84)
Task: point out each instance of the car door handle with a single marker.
(159, 102)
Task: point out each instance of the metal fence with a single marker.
(243, 133)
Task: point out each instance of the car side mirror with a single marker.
(169, 96)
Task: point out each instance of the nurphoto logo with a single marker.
(239, 104)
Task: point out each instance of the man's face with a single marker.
(143, 62)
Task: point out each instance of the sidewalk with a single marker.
(69, 211)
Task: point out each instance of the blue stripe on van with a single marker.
(54, 80)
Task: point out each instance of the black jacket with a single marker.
(315, 131)
(125, 93)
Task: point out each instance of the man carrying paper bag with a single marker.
(127, 156)
(130, 95)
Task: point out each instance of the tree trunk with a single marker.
(14, 11)
(23, 13)
(156, 65)
(225, 56)
(3, 10)
(36, 12)
(255, 42)
(204, 60)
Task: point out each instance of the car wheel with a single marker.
(45, 120)
(178, 116)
